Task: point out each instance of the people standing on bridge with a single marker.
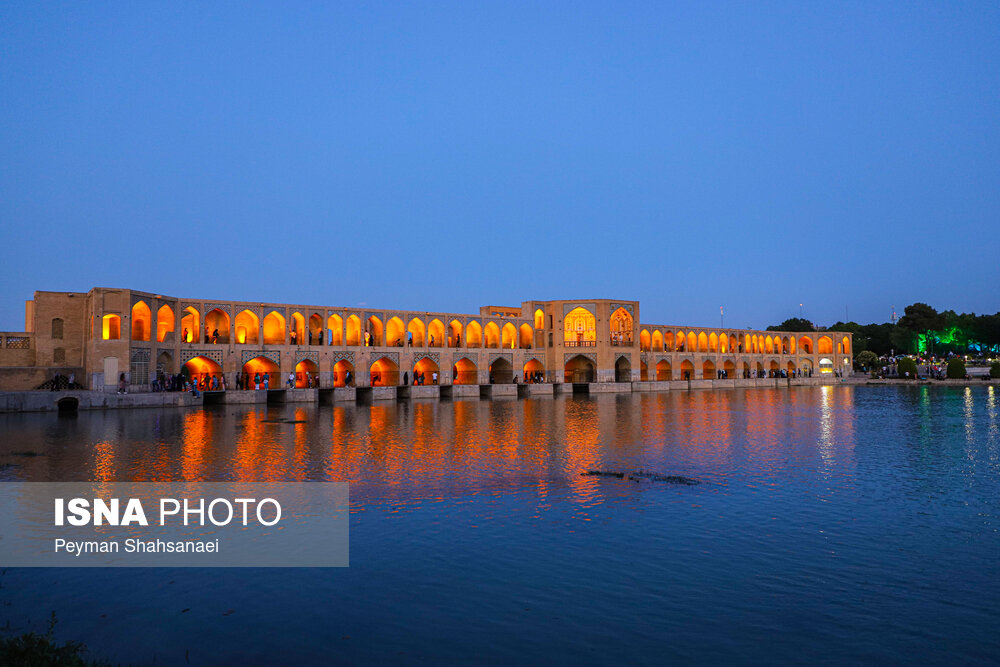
(215, 336)
(434, 377)
(291, 380)
(406, 378)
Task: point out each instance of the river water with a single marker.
(831, 525)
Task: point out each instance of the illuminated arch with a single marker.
(501, 371)
(384, 373)
(247, 327)
(621, 326)
(435, 332)
(340, 371)
(747, 344)
(164, 322)
(464, 372)
(825, 365)
(141, 321)
(806, 344)
(428, 367)
(806, 366)
(579, 369)
(713, 342)
(768, 345)
(687, 370)
(702, 342)
(846, 343)
(724, 343)
(533, 366)
(824, 346)
(262, 366)
(773, 366)
(353, 330)
(663, 371)
(190, 325)
(217, 320)
(579, 326)
(729, 367)
(274, 328)
(708, 370)
(492, 333)
(299, 328)
(455, 334)
(303, 370)
(418, 331)
(526, 335)
(473, 334)
(394, 332)
(111, 327)
(790, 367)
(668, 341)
(644, 340)
(374, 327)
(508, 336)
(539, 319)
(692, 342)
(335, 323)
(198, 368)
(656, 342)
(791, 345)
(316, 329)
(680, 343)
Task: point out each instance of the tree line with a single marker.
(921, 330)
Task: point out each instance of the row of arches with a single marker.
(692, 341)
(580, 327)
(664, 370)
(350, 331)
(384, 372)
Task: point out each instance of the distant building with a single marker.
(104, 333)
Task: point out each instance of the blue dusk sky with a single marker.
(443, 156)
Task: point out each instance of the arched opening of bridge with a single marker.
(539, 319)
(663, 371)
(687, 370)
(255, 370)
(335, 323)
(623, 370)
(165, 363)
(247, 326)
(643, 371)
(340, 371)
(668, 341)
(141, 320)
(526, 335)
(824, 345)
(315, 329)
(713, 342)
(492, 333)
(708, 370)
(579, 369)
(435, 333)
(621, 327)
(425, 370)
(791, 368)
(806, 344)
(190, 325)
(474, 334)
(274, 328)
(730, 368)
(455, 334)
(724, 343)
(464, 372)
(384, 373)
(217, 325)
(508, 336)
(374, 328)
(534, 371)
(353, 330)
(825, 365)
(394, 332)
(501, 371)
(164, 323)
(298, 328)
(657, 343)
(304, 370)
(199, 371)
(579, 328)
(644, 342)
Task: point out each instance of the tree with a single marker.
(919, 318)
(907, 365)
(956, 369)
(794, 324)
(995, 369)
(866, 359)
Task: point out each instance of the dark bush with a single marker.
(905, 365)
(956, 369)
(995, 369)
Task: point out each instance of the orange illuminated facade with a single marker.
(565, 341)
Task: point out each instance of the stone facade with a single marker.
(106, 332)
